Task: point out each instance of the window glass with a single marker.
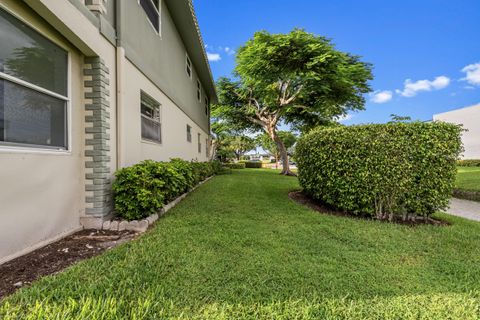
(30, 117)
(199, 143)
(199, 91)
(27, 55)
(189, 67)
(189, 133)
(152, 9)
(150, 117)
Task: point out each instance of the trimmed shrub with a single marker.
(468, 163)
(137, 192)
(201, 171)
(381, 170)
(253, 164)
(239, 165)
(144, 188)
(185, 168)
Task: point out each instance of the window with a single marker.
(150, 117)
(152, 9)
(33, 87)
(189, 133)
(189, 67)
(207, 106)
(199, 143)
(199, 91)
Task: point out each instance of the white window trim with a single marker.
(39, 149)
(207, 105)
(199, 91)
(187, 59)
(189, 136)
(161, 135)
(199, 143)
(159, 11)
(159, 121)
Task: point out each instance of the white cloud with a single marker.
(344, 118)
(473, 73)
(381, 96)
(213, 57)
(412, 88)
(229, 51)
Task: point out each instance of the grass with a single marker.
(239, 248)
(468, 178)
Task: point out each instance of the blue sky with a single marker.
(429, 42)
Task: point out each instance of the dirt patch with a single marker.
(303, 199)
(55, 257)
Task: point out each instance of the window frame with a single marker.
(15, 147)
(207, 106)
(199, 136)
(159, 12)
(199, 91)
(159, 121)
(188, 65)
(189, 133)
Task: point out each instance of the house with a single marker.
(469, 117)
(88, 87)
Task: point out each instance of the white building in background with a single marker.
(469, 117)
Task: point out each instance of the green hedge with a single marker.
(468, 163)
(239, 165)
(253, 164)
(144, 188)
(381, 170)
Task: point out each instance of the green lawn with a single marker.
(238, 248)
(468, 178)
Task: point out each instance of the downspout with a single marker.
(119, 56)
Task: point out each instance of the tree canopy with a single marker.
(296, 78)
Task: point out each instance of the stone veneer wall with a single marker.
(97, 143)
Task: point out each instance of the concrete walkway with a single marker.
(465, 208)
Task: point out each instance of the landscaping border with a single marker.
(142, 225)
(466, 194)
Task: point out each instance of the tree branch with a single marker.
(294, 96)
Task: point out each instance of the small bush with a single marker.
(468, 163)
(239, 165)
(381, 170)
(144, 188)
(185, 168)
(137, 191)
(201, 171)
(253, 164)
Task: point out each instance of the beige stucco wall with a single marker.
(174, 122)
(162, 58)
(469, 117)
(42, 192)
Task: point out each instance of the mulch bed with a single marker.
(303, 199)
(57, 256)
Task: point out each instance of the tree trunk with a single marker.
(282, 150)
(213, 149)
